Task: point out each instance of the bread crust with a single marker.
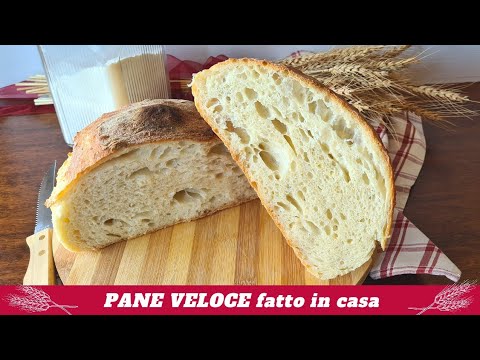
(149, 121)
(314, 84)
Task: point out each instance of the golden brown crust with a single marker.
(311, 82)
(149, 121)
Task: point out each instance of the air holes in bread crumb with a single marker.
(305, 157)
(212, 102)
(248, 152)
(173, 163)
(217, 108)
(276, 111)
(327, 230)
(365, 179)
(274, 158)
(250, 94)
(290, 143)
(312, 107)
(349, 241)
(284, 206)
(343, 217)
(325, 147)
(156, 152)
(187, 195)
(298, 92)
(309, 175)
(301, 195)
(279, 126)
(304, 135)
(186, 149)
(329, 214)
(219, 149)
(276, 78)
(342, 131)
(262, 111)
(239, 97)
(269, 160)
(113, 235)
(165, 153)
(381, 182)
(145, 171)
(241, 132)
(294, 202)
(114, 222)
(327, 117)
(312, 228)
(346, 174)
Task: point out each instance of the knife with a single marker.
(41, 270)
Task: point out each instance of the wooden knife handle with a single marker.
(40, 269)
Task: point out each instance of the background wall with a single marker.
(444, 63)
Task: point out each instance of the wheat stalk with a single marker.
(394, 65)
(451, 298)
(434, 92)
(395, 51)
(375, 80)
(36, 300)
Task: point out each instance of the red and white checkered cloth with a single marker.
(409, 250)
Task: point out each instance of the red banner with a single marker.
(458, 299)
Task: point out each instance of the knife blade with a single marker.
(41, 270)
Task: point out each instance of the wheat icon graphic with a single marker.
(35, 300)
(451, 298)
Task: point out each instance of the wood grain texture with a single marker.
(444, 203)
(220, 249)
(40, 270)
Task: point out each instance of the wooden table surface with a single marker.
(444, 202)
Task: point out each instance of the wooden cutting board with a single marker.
(240, 246)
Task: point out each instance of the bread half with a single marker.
(317, 166)
(148, 166)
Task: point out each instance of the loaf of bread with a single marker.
(318, 167)
(142, 168)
